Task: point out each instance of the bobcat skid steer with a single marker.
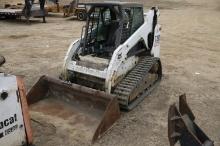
(15, 129)
(116, 59)
(118, 52)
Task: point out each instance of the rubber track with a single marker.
(131, 81)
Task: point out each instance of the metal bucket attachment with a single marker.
(182, 128)
(89, 112)
(2, 60)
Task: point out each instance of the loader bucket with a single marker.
(89, 112)
(182, 128)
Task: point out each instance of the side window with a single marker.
(126, 30)
(138, 19)
(133, 19)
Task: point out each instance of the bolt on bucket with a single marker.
(83, 111)
(182, 128)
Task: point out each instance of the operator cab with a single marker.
(98, 59)
(108, 25)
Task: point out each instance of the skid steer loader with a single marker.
(15, 127)
(116, 59)
(118, 52)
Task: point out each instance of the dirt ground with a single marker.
(190, 41)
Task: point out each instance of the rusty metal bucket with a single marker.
(90, 112)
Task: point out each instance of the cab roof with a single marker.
(115, 3)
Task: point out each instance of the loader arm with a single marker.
(68, 59)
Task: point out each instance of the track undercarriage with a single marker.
(139, 82)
